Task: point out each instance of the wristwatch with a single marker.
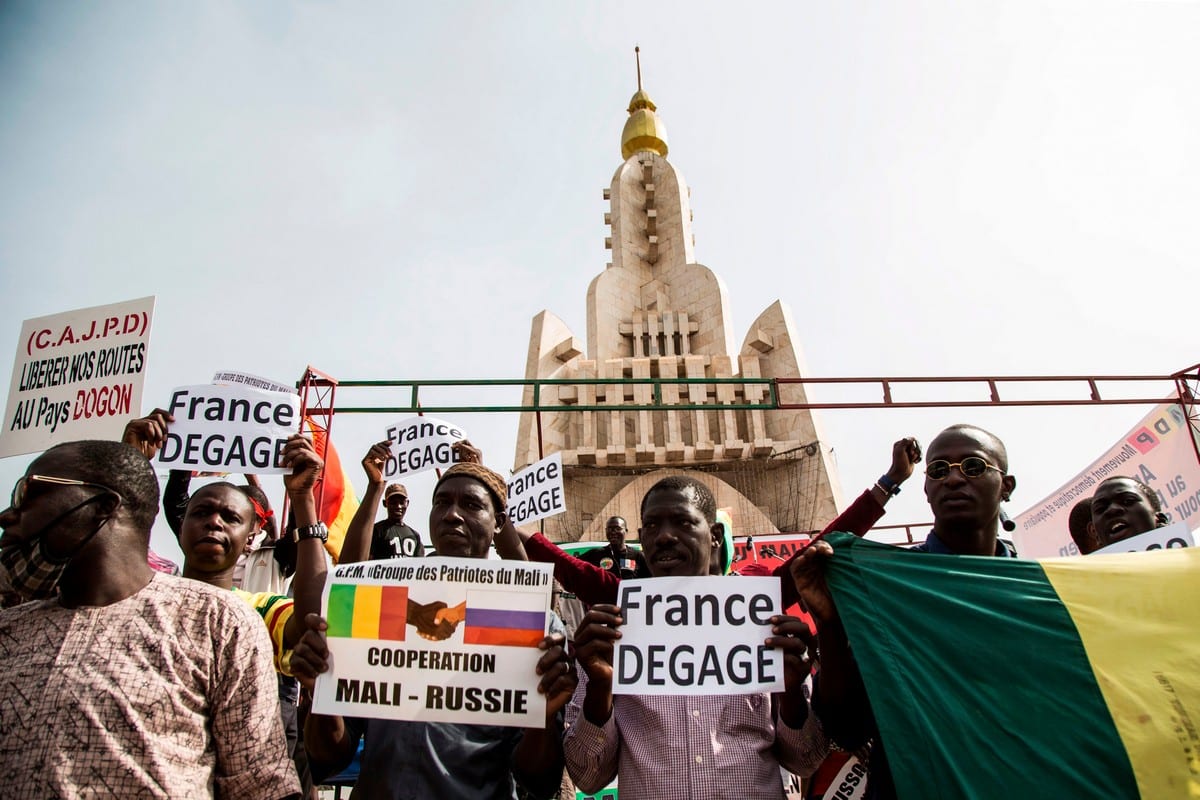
(318, 531)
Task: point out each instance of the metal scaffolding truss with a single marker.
(318, 391)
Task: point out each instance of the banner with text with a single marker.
(77, 375)
(1174, 535)
(436, 639)
(229, 378)
(697, 636)
(229, 429)
(1158, 451)
(419, 444)
(770, 549)
(536, 492)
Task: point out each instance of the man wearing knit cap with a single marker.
(439, 759)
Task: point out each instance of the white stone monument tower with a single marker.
(656, 312)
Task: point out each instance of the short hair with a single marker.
(123, 469)
(998, 448)
(1150, 495)
(705, 503)
(616, 516)
(1079, 518)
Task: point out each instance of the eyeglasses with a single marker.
(972, 467)
(22, 488)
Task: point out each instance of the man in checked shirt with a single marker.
(667, 747)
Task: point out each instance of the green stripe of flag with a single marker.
(978, 679)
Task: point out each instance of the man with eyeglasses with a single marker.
(114, 678)
(966, 480)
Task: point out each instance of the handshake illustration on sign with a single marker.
(436, 621)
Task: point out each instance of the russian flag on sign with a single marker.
(506, 618)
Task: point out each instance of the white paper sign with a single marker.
(1173, 535)
(228, 378)
(421, 443)
(536, 492)
(77, 375)
(229, 429)
(436, 639)
(697, 636)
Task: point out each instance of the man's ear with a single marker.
(1007, 484)
(500, 519)
(108, 503)
(1161, 519)
(718, 534)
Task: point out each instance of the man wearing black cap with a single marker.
(390, 537)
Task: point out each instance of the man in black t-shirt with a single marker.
(617, 558)
(391, 538)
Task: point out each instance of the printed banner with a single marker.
(77, 375)
(419, 444)
(697, 636)
(536, 492)
(768, 548)
(1158, 452)
(229, 378)
(1175, 535)
(229, 429)
(436, 639)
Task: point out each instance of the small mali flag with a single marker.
(505, 618)
(368, 612)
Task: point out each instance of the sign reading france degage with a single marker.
(697, 636)
(229, 429)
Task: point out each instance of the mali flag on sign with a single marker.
(363, 611)
(1001, 678)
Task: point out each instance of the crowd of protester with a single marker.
(118, 679)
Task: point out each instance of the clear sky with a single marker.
(393, 191)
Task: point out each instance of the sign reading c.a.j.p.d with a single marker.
(77, 375)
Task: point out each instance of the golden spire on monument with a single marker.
(643, 130)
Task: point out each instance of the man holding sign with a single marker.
(728, 745)
(442, 759)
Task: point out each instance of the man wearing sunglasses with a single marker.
(966, 480)
(117, 679)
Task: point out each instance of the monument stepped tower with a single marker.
(655, 312)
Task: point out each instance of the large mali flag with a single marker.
(1006, 678)
(339, 502)
(368, 612)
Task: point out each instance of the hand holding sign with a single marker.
(595, 641)
(310, 656)
(558, 674)
(306, 465)
(467, 453)
(375, 459)
(148, 433)
(792, 636)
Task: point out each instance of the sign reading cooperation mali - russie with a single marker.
(437, 640)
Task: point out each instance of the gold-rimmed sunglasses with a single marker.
(972, 467)
(22, 488)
